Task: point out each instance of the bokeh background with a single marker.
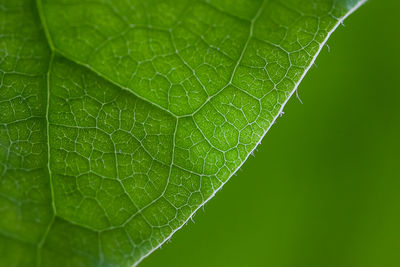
(324, 187)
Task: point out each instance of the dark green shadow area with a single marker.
(324, 186)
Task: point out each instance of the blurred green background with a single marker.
(324, 187)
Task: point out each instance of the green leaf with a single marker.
(120, 118)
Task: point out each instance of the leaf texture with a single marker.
(120, 118)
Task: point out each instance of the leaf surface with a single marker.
(119, 119)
